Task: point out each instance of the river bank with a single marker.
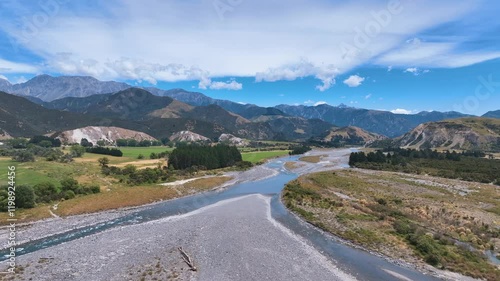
(405, 217)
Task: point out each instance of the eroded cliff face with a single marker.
(94, 134)
(188, 136)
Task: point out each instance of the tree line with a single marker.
(105, 151)
(210, 157)
(27, 196)
(337, 142)
(299, 149)
(135, 143)
(467, 165)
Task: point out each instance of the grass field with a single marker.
(259, 156)
(133, 152)
(42, 171)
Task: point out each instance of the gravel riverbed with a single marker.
(235, 239)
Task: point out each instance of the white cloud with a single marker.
(207, 83)
(368, 96)
(229, 85)
(314, 103)
(412, 70)
(401, 111)
(415, 71)
(3, 77)
(253, 42)
(389, 68)
(354, 81)
(320, 103)
(302, 69)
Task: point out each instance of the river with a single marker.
(217, 225)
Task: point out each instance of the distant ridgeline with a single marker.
(468, 165)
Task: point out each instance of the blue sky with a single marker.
(404, 56)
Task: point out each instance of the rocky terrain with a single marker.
(188, 136)
(94, 134)
(232, 140)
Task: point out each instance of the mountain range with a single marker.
(69, 102)
(139, 110)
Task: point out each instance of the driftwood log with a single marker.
(187, 259)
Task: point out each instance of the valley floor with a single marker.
(234, 239)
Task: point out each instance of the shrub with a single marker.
(104, 161)
(23, 156)
(69, 184)
(77, 150)
(46, 192)
(25, 196)
(66, 158)
(403, 227)
(129, 169)
(244, 164)
(68, 194)
(382, 201)
(95, 189)
(432, 259)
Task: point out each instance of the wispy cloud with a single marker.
(14, 67)
(368, 96)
